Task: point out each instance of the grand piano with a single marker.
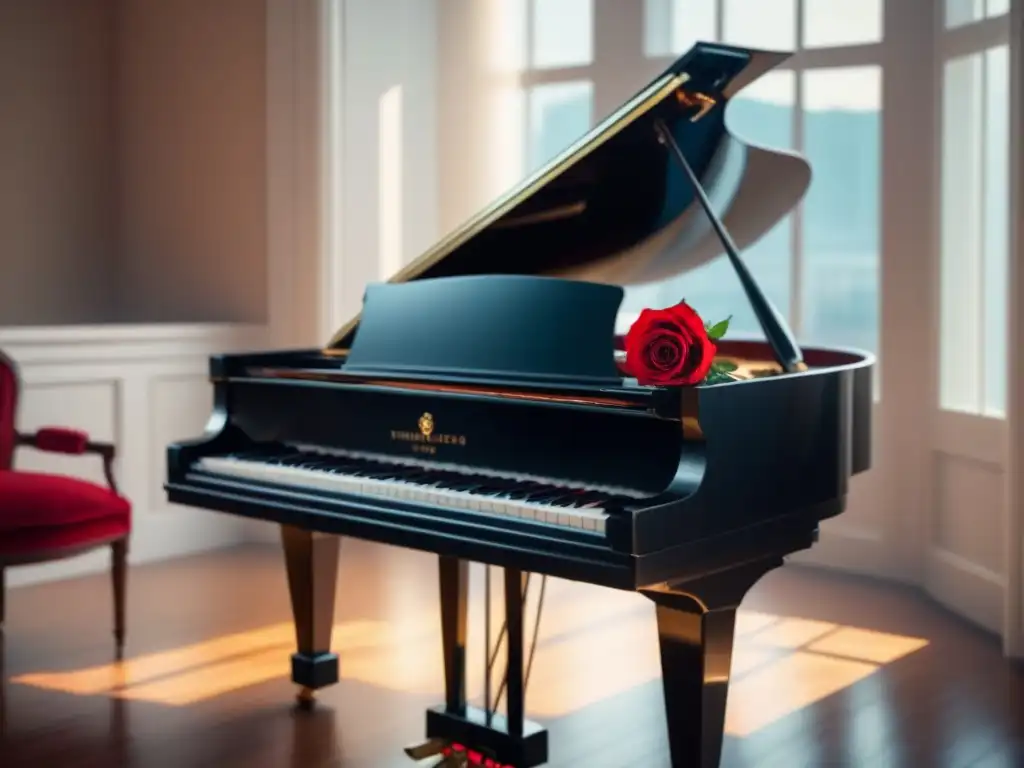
(475, 410)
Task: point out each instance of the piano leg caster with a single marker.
(305, 699)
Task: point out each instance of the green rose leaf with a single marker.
(719, 329)
(723, 366)
(717, 377)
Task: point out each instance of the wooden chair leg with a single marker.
(119, 578)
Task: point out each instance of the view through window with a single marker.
(974, 230)
(821, 264)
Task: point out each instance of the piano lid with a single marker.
(615, 207)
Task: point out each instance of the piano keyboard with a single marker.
(543, 500)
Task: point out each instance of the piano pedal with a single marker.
(472, 739)
(429, 748)
(437, 753)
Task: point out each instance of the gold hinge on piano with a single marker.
(701, 101)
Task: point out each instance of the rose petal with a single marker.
(669, 347)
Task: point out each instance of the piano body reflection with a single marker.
(475, 410)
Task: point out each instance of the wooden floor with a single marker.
(829, 671)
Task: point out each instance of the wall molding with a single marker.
(109, 381)
(969, 589)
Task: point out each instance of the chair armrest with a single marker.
(73, 442)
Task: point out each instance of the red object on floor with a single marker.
(47, 517)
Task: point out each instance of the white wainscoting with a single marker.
(965, 558)
(141, 387)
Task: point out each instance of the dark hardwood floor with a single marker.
(829, 671)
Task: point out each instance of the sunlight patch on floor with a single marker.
(590, 650)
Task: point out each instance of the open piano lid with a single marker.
(615, 207)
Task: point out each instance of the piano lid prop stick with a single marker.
(780, 339)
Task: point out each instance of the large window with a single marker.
(561, 66)
(974, 230)
(820, 265)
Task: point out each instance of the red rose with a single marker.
(667, 347)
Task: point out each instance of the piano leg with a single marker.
(312, 564)
(454, 583)
(696, 623)
(515, 708)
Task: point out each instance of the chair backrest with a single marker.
(8, 409)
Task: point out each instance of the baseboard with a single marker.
(971, 590)
(851, 550)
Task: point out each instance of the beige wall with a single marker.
(132, 161)
(57, 133)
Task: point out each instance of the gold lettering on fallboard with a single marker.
(426, 440)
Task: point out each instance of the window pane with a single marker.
(960, 12)
(560, 113)
(671, 27)
(997, 8)
(761, 113)
(760, 24)
(563, 33)
(841, 119)
(841, 22)
(975, 233)
(997, 226)
(961, 226)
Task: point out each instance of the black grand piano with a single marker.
(475, 410)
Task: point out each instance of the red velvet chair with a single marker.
(47, 517)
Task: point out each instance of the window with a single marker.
(831, 23)
(840, 223)
(821, 265)
(561, 33)
(558, 113)
(764, 24)
(673, 26)
(962, 12)
(974, 232)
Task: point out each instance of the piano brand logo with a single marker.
(426, 423)
(426, 440)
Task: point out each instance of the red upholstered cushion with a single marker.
(50, 540)
(31, 500)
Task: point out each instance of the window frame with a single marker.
(632, 63)
(956, 43)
